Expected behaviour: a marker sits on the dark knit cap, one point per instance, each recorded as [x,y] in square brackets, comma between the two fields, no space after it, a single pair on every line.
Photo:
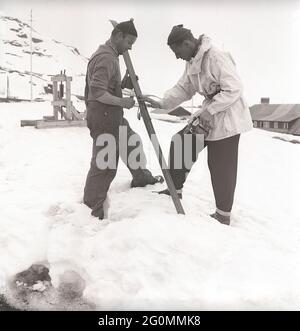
[178,34]
[127,27]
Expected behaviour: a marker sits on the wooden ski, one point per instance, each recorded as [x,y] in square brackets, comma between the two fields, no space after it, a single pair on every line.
[151,132]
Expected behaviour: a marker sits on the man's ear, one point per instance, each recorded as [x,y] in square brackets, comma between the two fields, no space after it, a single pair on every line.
[119,35]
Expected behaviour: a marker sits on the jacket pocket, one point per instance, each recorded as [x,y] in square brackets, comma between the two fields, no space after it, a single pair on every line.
[102,119]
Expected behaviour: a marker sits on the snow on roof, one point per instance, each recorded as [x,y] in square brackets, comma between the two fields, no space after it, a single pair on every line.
[275,112]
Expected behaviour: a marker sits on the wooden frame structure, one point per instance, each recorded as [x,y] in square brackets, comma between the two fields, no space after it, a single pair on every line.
[62,107]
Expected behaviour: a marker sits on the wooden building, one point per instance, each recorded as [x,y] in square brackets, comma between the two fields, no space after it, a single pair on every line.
[284,118]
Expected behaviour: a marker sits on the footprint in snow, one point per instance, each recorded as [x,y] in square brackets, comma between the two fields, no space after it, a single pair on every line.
[59,210]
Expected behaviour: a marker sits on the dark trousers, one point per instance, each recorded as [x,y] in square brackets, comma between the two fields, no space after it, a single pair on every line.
[222,164]
[104,119]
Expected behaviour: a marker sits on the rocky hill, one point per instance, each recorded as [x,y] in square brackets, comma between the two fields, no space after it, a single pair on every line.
[49,57]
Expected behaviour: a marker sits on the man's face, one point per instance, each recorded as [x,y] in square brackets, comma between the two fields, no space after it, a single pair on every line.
[125,43]
[183,51]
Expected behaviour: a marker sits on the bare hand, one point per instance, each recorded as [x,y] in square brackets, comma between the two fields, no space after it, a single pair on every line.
[194,116]
[205,119]
[153,103]
[127,103]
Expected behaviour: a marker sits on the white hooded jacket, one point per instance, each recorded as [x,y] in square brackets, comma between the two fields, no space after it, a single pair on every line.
[212,73]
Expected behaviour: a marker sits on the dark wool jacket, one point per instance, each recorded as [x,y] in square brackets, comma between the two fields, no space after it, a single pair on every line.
[103,73]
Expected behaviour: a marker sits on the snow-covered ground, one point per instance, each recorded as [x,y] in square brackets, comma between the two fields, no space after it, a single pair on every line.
[145,256]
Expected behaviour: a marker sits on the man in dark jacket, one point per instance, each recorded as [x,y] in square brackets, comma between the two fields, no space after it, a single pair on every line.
[105,103]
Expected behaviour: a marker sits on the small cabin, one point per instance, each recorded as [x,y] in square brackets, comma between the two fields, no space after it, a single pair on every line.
[284,118]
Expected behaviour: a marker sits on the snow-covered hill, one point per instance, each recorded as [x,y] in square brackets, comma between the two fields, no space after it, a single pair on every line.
[49,58]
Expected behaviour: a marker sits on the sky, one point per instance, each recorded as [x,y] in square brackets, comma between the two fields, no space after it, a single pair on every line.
[262,36]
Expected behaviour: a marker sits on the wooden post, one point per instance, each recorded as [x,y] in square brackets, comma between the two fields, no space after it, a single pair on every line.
[31,94]
[68,98]
[55,98]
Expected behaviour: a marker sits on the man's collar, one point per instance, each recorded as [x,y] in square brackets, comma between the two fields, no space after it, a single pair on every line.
[204,45]
[195,64]
[112,46]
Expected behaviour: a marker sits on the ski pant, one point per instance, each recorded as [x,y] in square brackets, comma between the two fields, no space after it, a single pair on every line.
[222,164]
[105,119]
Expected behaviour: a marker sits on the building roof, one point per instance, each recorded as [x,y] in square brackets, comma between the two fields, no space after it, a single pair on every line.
[275,112]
